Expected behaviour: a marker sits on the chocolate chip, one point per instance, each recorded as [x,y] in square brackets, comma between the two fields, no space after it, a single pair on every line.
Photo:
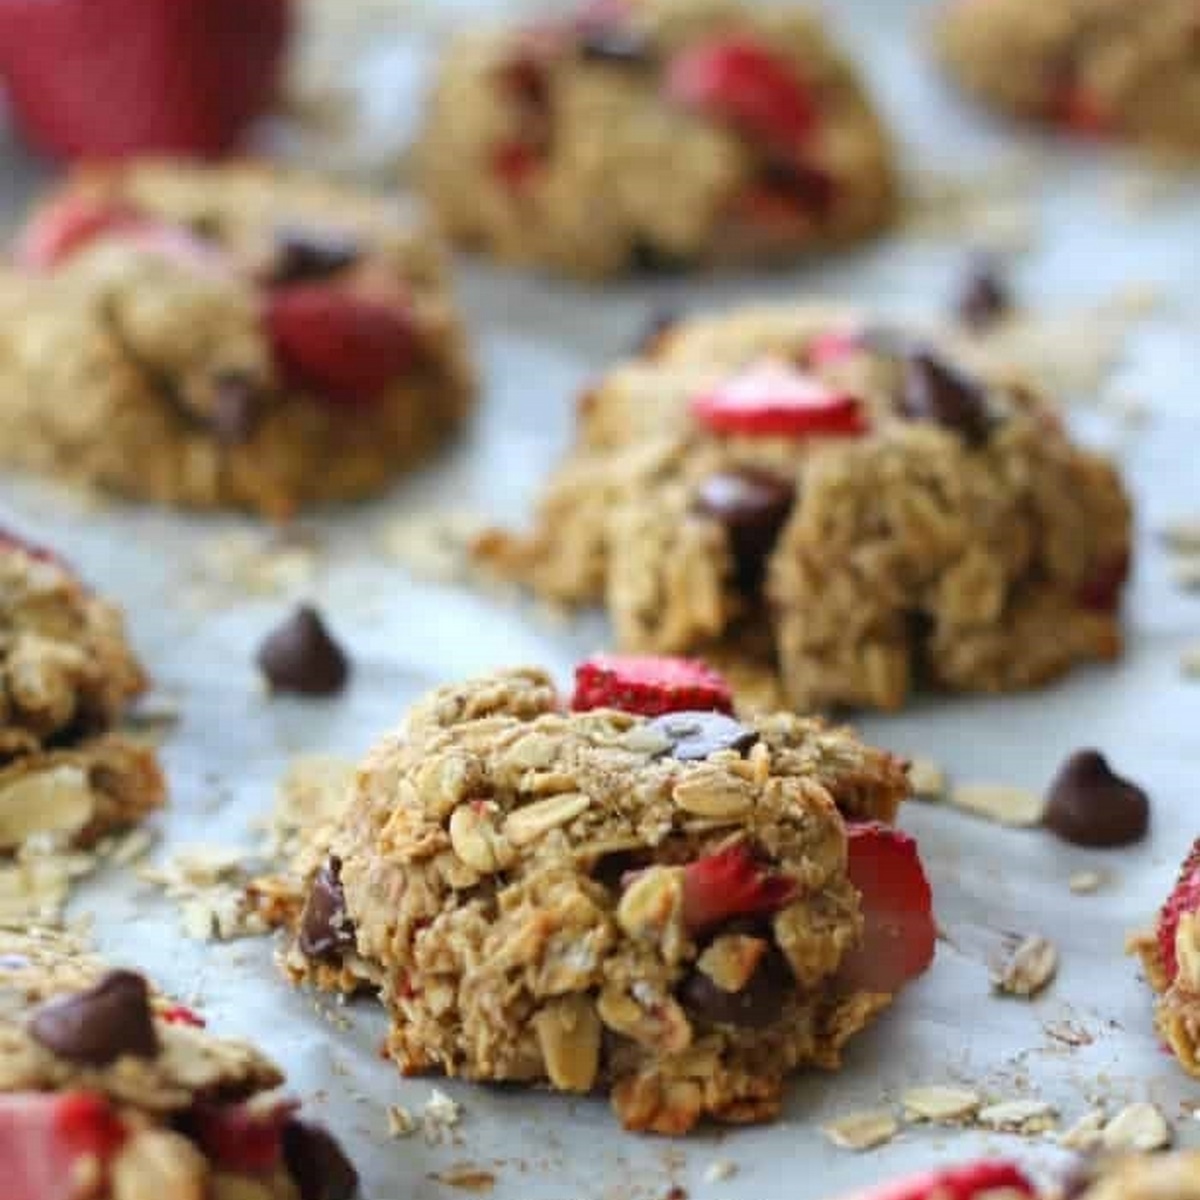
[983,296]
[615,44]
[807,188]
[300,656]
[696,735]
[236,410]
[302,253]
[101,1024]
[325,928]
[935,391]
[1089,805]
[317,1164]
[759,1003]
[647,257]
[753,507]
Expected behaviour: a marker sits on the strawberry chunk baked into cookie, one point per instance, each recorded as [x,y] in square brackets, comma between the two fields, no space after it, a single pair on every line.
[655,134]
[1102,68]
[666,908]
[808,502]
[225,337]
[67,675]
[108,1091]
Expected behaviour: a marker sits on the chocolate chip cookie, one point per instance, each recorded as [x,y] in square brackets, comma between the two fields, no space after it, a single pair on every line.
[666,909]
[110,1091]
[810,502]
[67,675]
[1097,67]
[655,135]
[225,337]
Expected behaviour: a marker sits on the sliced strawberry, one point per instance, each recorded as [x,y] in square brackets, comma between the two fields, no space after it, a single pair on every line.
[66,225]
[344,345]
[772,398]
[731,883]
[649,685]
[738,80]
[242,1137]
[1184,898]
[45,1136]
[954,1183]
[897,905]
[515,163]
[1079,110]
[177,1014]
[833,346]
[1101,591]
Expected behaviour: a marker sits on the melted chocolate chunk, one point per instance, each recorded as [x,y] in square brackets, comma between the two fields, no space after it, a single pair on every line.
[935,391]
[758,1004]
[325,928]
[101,1024]
[300,656]
[303,254]
[317,1164]
[696,735]
[1090,805]
[753,507]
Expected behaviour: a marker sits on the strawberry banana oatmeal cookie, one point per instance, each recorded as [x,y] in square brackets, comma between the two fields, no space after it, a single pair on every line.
[67,674]
[108,1091]
[225,337]
[616,896]
[802,499]
[1098,67]
[655,134]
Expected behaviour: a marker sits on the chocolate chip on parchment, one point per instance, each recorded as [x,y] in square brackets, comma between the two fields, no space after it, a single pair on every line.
[99,1025]
[935,391]
[301,656]
[1090,805]
[235,410]
[325,927]
[696,735]
[983,296]
[759,1003]
[317,1164]
[753,506]
[303,254]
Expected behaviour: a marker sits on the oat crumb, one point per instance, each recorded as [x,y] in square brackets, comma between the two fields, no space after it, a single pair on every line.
[861,1130]
[1084,883]
[719,1170]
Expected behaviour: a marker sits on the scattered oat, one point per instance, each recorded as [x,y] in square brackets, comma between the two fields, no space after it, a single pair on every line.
[940,1104]
[440,1113]
[312,792]
[719,1170]
[1182,534]
[466,1177]
[1190,662]
[1027,967]
[1084,883]
[927,778]
[433,545]
[241,561]
[1085,1133]
[1020,1116]
[400,1122]
[210,883]
[999,802]
[1185,572]
[1068,1033]
[1137,1128]
[862,1130]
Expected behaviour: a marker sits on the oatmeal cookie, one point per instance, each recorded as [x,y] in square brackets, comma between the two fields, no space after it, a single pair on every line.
[834,507]
[108,1091]
[1097,67]
[67,674]
[655,135]
[660,908]
[225,337]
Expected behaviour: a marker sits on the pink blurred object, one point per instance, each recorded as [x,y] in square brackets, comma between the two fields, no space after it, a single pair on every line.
[114,78]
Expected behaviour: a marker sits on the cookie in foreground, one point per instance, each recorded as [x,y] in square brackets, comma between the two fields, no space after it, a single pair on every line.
[675,908]
[839,513]
[225,337]
[655,135]
[109,1091]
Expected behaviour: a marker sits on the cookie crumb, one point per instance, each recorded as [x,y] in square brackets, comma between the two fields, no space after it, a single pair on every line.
[1189,662]
[999,802]
[1182,534]
[1027,968]
[719,1170]
[940,1104]
[1085,1133]
[862,1130]
[1020,1116]
[440,1112]
[927,778]
[1084,883]
[1137,1128]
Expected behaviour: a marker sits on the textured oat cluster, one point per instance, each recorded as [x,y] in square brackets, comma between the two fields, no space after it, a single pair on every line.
[957,539]
[516,881]
[140,363]
[151,1110]
[67,675]
[562,145]
[1103,67]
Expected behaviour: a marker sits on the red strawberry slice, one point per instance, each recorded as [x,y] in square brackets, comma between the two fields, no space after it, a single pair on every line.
[1080,111]
[954,1183]
[772,398]
[515,163]
[738,80]
[346,346]
[649,685]
[112,78]
[44,1138]
[731,883]
[66,225]
[242,1137]
[1184,898]
[897,905]
[178,1014]
[833,346]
